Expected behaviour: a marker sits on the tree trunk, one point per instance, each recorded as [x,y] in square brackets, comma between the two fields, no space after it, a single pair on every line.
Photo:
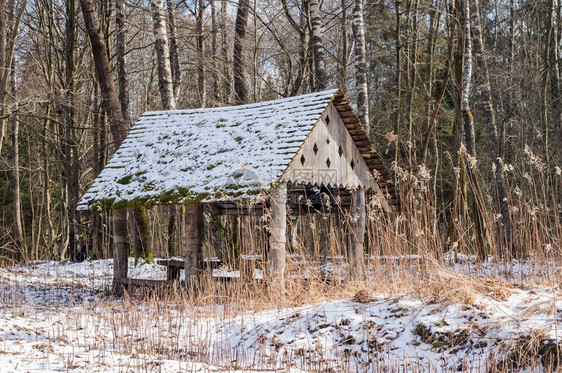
[551,78]
[470,198]
[7,46]
[490,118]
[431,120]
[412,73]
[167,95]
[121,61]
[227,76]
[342,83]
[165,80]
[300,28]
[361,65]
[201,86]
[110,101]
[70,147]
[240,86]
[318,46]
[214,31]
[118,127]
[3,67]
[138,219]
[398,77]
[468,120]
[174,50]
[18,230]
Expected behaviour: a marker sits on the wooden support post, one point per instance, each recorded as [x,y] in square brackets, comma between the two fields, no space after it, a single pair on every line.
[194,231]
[358,231]
[277,239]
[120,252]
[172,273]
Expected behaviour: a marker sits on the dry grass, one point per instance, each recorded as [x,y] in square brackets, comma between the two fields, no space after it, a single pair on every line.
[406,253]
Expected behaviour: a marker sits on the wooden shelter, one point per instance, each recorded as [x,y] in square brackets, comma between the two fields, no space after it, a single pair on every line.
[228,156]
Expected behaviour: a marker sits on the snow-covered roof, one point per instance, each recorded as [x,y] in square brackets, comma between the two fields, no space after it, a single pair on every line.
[210,155]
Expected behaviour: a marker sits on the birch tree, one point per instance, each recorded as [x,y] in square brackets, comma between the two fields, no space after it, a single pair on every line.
[318,46]
[174,49]
[490,119]
[138,219]
[7,46]
[361,65]
[165,84]
[18,229]
[468,119]
[165,80]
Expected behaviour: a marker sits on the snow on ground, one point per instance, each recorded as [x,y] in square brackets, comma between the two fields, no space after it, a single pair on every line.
[58,317]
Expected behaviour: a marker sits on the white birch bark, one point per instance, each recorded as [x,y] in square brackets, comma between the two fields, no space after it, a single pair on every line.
[361,65]
[490,118]
[468,122]
[165,81]
[318,46]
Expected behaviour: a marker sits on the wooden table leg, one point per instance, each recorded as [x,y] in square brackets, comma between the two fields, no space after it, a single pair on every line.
[173,273]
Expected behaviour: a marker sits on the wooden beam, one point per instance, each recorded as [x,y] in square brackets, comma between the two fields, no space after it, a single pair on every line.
[350,122]
[362,142]
[347,114]
[358,234]
[277,238]
[194,230]
[120,251]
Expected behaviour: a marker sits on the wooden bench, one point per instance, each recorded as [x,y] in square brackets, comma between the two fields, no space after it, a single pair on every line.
[175,265]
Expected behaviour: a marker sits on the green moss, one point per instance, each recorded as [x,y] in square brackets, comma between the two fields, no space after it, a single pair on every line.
[211,166]
[254,192]
[178,196]
[148,258]
[149,186]
[125,180]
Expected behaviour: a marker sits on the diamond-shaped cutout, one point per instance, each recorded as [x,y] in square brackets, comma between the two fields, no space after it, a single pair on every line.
[327,120]
[340,151]
[328,141]
[302,159]
[328,163]
[352,164]
[315,148]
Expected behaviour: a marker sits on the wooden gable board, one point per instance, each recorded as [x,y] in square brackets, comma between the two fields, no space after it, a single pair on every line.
[328,135]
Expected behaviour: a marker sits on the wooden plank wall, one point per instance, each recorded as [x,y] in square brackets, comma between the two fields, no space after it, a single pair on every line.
[331,140]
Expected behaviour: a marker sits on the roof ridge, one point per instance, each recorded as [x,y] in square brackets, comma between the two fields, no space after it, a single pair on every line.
[329,94]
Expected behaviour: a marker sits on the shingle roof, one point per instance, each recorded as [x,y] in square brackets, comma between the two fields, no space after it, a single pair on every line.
[194,155]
